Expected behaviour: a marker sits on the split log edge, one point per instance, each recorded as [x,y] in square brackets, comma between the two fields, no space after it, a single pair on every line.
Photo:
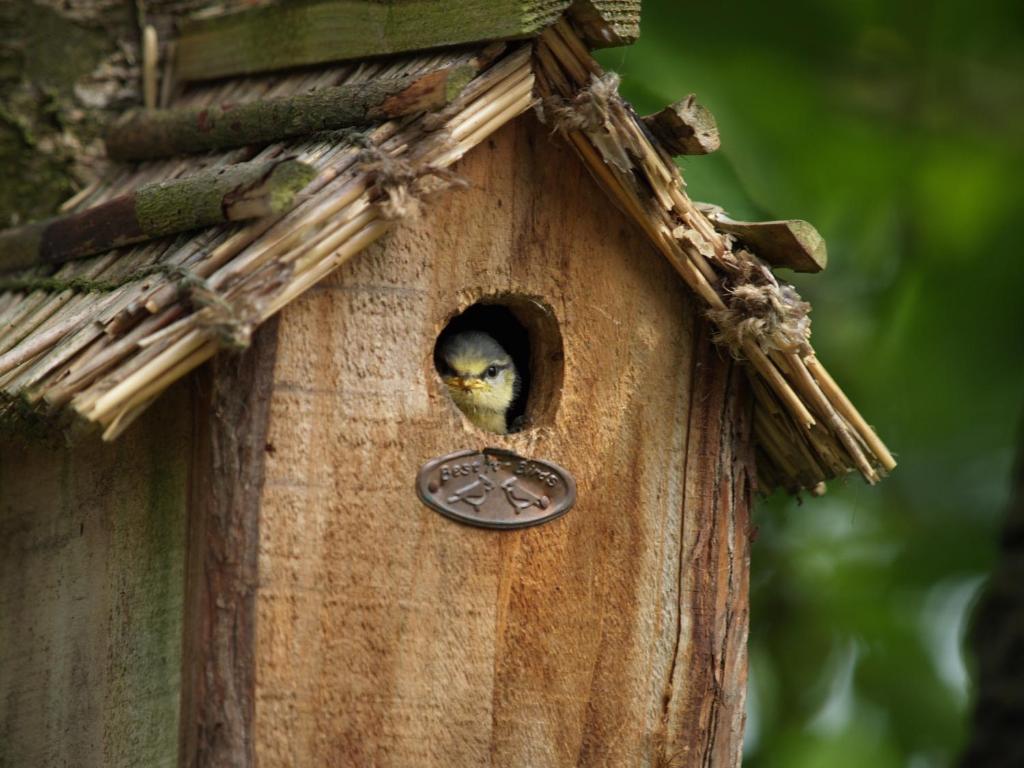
[211,197]
[793,244]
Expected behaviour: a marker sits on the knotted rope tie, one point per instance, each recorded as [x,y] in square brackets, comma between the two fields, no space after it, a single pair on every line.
[598,112]
[399,183]
[232,321]
[761,310]
[587,111]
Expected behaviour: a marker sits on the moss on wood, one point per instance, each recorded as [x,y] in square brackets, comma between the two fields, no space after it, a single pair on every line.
[210,197]
[149,134]
[337,30]
[94,544]
[23,420]
[47,134]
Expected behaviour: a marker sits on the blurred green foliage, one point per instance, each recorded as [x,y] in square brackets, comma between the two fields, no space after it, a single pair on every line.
[898,130]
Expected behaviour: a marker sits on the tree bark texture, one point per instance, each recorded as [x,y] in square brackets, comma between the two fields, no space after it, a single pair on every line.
[389,635]
[218,672]
[207,198]
[65,68]
[997,639]
[155,133]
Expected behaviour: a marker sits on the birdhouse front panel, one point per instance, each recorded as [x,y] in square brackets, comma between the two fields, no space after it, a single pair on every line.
[388,634]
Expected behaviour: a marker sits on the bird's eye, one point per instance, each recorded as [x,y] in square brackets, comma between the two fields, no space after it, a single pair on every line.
[491,372]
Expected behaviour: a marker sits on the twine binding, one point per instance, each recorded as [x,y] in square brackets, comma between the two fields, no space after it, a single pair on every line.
[761,310]
[401,184]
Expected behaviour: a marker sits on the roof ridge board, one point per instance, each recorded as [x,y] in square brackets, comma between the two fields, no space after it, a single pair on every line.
[607,23]
[246,42]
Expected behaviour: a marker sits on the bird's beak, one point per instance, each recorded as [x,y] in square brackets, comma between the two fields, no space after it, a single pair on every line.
[465,384]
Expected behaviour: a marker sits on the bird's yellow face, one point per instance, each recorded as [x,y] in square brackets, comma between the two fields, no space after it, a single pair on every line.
[481,379]
[481,383]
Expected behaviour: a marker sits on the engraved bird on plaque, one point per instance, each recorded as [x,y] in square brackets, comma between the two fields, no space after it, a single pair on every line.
[520,498]
[462,494]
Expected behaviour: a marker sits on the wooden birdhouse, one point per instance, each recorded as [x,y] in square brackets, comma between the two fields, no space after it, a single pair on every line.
[243,520]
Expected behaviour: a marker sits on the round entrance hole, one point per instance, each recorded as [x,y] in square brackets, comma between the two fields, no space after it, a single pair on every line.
[526,330]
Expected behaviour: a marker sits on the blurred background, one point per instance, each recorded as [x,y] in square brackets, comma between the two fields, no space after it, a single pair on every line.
[898,130]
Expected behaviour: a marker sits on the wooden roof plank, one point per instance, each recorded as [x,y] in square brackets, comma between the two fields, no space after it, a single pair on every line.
[318,31]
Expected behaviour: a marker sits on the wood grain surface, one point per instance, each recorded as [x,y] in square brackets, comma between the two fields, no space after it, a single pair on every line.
[218,671]
[92,550]
[387,635]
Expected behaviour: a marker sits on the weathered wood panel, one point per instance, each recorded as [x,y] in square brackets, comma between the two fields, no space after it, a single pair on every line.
[92,542]
[390,636]
[220,615]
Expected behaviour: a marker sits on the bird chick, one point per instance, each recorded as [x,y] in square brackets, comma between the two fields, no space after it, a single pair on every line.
[481,378]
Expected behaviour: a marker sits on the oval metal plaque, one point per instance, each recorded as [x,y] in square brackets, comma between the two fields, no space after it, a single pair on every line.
[495,488]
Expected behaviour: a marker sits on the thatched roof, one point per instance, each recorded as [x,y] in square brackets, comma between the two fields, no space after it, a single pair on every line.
[96,340]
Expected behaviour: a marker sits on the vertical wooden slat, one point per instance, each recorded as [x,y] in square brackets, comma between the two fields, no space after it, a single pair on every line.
[218,673]
[703,714]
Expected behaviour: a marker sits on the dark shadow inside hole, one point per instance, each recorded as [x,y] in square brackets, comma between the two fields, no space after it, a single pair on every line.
[502,325]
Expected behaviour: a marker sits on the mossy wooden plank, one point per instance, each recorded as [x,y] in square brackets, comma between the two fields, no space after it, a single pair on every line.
[92,543]
[607,23]
[314,31]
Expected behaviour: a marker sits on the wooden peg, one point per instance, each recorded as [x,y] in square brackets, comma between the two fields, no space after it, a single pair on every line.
[793,244]
[684,128]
